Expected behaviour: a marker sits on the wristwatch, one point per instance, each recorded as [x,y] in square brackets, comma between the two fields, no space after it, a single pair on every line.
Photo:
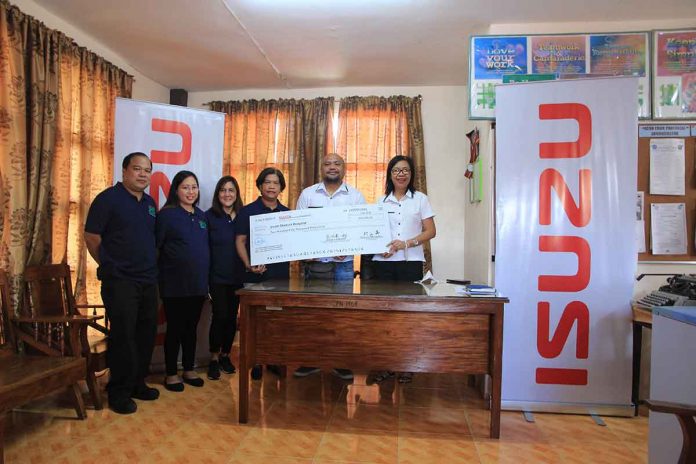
[415,242]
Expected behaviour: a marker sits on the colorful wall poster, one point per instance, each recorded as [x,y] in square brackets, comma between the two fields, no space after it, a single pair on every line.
[618,54]
[495,60]
[558,54]
[497,56]
[675,61]
[676,53]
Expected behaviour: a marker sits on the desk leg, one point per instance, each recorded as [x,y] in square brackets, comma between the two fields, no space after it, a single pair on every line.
[244,341]
[637,352]
[496,370]
[3,418]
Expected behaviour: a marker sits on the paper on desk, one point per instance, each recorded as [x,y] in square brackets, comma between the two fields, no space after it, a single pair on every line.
[428,279]
[668,228]
[667,166]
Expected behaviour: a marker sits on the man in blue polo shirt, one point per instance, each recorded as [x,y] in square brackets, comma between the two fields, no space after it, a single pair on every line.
[120,236]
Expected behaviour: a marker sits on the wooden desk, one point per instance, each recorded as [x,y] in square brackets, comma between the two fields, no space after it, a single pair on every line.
[373,325]
[642,318]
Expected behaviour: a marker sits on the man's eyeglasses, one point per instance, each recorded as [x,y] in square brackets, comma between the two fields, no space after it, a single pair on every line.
[397,171]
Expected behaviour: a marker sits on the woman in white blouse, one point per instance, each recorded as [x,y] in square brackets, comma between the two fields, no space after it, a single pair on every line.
[412,224]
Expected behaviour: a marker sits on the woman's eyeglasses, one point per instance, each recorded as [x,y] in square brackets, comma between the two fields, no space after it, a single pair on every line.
[397,171]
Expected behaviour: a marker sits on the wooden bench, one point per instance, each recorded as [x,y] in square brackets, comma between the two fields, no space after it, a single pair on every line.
[55,361]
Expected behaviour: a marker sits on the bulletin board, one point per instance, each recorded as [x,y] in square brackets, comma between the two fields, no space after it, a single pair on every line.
[689,189]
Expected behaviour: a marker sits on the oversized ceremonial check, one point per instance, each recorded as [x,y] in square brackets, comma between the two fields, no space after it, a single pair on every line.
[319,233]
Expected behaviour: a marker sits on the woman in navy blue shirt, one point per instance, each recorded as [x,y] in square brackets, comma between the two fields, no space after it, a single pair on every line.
[225,274]
[270,183]
[184,263]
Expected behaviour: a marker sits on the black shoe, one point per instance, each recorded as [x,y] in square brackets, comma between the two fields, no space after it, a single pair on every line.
[226,365]
[196,382]
[384,375]
[274,369]
[174,387]
[257,372]
[405,377]
[214,370]
[125,406]
[343,374]
[145,393]
[304,371]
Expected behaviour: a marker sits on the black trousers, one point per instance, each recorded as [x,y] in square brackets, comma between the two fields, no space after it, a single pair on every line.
[404,271]
[131,308]
[223,326]
[183,314]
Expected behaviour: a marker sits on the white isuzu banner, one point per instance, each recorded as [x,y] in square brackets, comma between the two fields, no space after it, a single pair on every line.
[176,138]
[565,249]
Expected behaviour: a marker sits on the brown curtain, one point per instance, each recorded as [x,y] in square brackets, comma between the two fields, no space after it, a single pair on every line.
[56,135]
[372,130]
[291,135]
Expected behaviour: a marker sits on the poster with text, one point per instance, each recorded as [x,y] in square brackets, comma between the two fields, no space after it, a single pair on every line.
[558,54]
[175,138]
[565,211]
[495,60]
[674,67]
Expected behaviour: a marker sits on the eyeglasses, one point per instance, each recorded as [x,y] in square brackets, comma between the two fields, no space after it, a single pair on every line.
[397,171]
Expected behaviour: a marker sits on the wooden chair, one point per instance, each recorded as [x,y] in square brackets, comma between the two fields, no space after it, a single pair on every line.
[49,292]
[685,414]
[57,363]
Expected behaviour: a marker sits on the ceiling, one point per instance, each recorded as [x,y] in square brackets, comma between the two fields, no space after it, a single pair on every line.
[233,44]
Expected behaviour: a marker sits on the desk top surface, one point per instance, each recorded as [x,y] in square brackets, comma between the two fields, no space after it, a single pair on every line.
[685,314]
[368,287]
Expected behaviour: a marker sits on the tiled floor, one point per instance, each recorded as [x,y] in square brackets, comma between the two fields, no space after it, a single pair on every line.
[436,419]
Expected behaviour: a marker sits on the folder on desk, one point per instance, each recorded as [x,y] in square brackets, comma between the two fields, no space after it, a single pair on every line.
[476,289]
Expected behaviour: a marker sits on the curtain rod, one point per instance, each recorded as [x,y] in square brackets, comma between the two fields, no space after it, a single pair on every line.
[419,97]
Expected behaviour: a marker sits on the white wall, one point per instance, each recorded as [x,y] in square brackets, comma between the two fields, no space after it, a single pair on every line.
[144,88]
[445,126]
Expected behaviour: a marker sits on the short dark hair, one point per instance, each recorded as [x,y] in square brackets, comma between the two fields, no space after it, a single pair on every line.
[217,206]
[172,198]
[267,172]
[389,188]
[129,157]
